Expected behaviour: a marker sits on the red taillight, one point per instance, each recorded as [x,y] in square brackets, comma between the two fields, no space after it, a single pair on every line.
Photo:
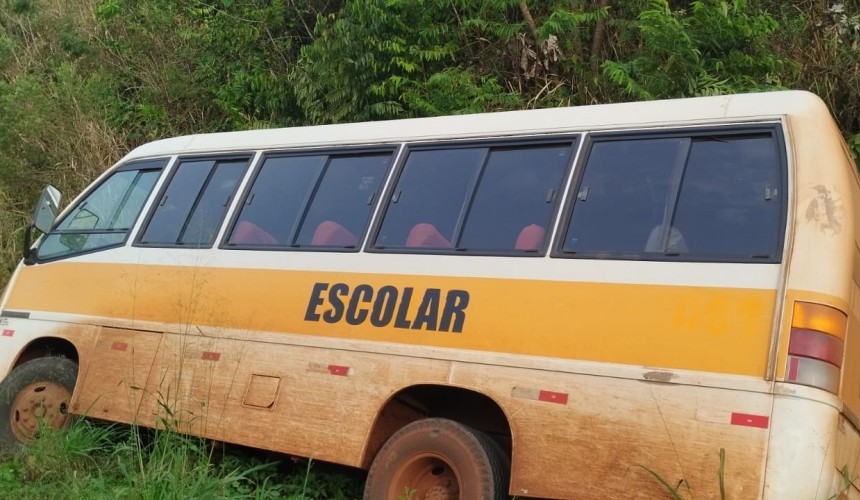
[815,348]
[816,345]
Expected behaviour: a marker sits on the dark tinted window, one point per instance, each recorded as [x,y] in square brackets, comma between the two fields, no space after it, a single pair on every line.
[497,199]
[213,203]
[622,196]
[272,209]
[730,198]
[311,201]
[106,215]
[698,197]
[431,192]
[190,210]
[341,206]
[514,199]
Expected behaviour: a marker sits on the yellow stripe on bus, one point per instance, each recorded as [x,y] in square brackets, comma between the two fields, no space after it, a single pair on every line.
[723,330]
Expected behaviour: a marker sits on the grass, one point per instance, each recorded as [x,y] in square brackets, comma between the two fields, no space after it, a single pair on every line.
[676,491]
[93,460]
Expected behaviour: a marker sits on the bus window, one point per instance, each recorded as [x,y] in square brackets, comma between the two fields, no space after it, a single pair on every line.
[481,199]
[190,210]
[699,198]
[729,201]
[513,202]
[104,217]
[272,207]
[341,206]
[622,196]
[310,201]
[428,198]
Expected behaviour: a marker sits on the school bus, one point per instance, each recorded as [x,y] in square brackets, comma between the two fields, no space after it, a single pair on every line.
[546,303]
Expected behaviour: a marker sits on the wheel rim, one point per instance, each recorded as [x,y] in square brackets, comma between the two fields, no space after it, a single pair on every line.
[46,402]
[427,476]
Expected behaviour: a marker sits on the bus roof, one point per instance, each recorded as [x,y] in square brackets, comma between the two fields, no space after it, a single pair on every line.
[647,114]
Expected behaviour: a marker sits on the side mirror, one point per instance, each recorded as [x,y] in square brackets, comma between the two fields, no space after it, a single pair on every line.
[43,217]
[47,209]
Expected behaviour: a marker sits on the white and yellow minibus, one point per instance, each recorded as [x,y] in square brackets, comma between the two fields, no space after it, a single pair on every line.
[558,303]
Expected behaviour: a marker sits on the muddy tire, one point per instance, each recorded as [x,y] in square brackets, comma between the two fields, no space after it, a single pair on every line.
[438,459]
[38,392]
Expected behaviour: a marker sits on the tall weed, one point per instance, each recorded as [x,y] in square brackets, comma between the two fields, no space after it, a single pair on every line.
[93,460]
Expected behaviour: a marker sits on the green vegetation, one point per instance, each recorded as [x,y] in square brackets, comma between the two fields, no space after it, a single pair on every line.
[94,461]
[677,492]
[83,81]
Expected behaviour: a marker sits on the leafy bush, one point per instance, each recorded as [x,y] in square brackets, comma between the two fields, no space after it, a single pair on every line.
[83,81]
[717,47]
[395,58]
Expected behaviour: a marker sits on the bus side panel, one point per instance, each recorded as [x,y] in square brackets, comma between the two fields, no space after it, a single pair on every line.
[847,459]
[698,328]
[822,259]
[115,377]
[317,403]
[849,444]
[850,386]
[598,435]
[807,444]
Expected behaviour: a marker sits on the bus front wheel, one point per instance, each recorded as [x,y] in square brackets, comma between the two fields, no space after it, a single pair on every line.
[438,459]
[35,394]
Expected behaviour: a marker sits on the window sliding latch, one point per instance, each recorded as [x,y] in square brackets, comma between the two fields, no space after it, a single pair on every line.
[583,194]
[770,192]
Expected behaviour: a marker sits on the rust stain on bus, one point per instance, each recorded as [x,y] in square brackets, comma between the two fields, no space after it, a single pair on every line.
[825,210]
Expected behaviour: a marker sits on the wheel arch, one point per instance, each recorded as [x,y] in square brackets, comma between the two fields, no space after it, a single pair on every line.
[47,346]
[461,404]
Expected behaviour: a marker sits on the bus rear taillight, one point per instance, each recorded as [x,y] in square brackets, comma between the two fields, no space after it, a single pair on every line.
[815,347]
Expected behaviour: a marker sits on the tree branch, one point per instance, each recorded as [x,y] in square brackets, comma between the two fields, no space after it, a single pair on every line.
[529,20]
[599,35]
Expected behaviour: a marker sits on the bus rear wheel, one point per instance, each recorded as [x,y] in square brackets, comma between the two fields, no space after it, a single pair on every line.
[35,394]
[438,459]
